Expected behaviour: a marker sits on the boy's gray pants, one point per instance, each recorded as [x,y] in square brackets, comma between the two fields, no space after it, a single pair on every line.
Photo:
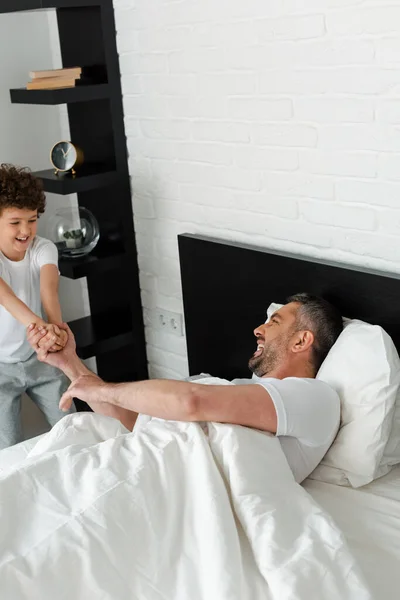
[42,383]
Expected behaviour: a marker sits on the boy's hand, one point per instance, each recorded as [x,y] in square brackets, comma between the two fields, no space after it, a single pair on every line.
[54,334]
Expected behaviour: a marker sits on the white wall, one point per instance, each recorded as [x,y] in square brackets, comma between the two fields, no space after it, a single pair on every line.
[29,41]
[272,122]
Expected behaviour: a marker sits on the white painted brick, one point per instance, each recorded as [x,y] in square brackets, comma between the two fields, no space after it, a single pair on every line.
[372,244]
[205,152]
[353,164]
[388,51]
[226,84]
[157,372]
[338,215]
[136,63]
[317,53]
[172,129]
[206,196]
[206,107]
[259,109]
[145,147]
[285,135]
[388,111]
[299,184]
[266,159]
[143,206]
[334,110]
[389,221]
[204,60]
[375,193]
[127,41]
[179,211]
[298,231]
[171,85]
[220,131]
[145,244]
[291,28]
[361,21]
[384,138]
[132,127]
[167,248]
[145,106]
[156,300]
[352,80]
[159,339]
[169,286]
[147,282]
[168,360]
[343,3]
[229,177]
[164,39]
[389,167]
[264,204]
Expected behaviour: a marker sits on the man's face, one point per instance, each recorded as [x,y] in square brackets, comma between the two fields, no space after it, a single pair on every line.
[273,340]
[17,230]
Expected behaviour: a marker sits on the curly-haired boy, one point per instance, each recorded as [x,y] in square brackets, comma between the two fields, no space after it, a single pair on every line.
[28,281]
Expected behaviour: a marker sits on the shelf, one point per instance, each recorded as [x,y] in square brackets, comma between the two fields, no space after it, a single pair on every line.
[89,178]
[98,261]
[102,333]
[80,93]
[7,6]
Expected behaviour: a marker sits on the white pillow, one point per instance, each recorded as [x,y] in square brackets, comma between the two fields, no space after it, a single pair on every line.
[364,368]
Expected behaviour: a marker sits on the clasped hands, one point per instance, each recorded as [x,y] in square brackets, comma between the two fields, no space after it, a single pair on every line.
[50,333]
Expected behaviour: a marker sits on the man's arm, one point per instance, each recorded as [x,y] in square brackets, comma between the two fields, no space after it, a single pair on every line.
[67,361]
[16,307]
[249,405]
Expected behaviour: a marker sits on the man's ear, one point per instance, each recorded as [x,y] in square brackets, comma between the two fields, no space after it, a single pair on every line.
[303,341]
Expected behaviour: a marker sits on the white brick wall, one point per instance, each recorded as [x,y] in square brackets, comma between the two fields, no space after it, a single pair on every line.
[272,122]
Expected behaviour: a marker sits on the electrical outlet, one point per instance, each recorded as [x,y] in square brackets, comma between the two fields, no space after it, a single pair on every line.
[167,321]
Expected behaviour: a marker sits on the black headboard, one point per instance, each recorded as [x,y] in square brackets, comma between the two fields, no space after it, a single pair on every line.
[227,288]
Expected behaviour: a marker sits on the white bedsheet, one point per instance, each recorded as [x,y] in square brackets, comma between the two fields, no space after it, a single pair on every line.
[166,513]
[370,518]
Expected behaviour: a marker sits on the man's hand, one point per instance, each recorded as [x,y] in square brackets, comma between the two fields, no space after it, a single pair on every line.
[89,388]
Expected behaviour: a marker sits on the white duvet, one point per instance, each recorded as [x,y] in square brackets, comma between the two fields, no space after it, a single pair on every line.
[172,511]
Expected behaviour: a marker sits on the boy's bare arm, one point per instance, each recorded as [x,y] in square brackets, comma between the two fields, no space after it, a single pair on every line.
[16,307]
[49,280]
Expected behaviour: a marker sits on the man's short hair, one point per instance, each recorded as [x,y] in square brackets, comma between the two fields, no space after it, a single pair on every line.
[323,319]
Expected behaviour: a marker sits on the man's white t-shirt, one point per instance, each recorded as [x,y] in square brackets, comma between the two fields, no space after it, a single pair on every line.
[24,279]
[308,413]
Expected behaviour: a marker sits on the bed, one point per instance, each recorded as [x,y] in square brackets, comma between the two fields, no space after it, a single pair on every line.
[228,297]
[226,289]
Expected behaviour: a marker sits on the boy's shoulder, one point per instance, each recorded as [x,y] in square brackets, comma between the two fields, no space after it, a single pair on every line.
[43,251]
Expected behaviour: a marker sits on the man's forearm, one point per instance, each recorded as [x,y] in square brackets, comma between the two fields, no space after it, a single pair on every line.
[165,399]
[73,367]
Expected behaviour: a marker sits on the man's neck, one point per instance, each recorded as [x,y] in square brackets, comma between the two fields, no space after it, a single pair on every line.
[283,371]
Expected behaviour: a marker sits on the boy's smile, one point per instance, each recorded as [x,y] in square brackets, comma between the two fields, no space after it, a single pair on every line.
[17,229]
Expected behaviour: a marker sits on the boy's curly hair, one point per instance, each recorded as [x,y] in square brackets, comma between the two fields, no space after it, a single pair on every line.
[19,188]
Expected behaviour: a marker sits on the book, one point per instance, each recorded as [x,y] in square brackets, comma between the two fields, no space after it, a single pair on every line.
[51,83]
[72,72]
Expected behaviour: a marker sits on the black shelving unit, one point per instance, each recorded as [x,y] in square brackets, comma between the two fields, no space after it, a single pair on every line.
[114,331]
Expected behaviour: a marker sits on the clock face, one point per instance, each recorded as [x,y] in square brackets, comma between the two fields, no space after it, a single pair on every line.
[63,156]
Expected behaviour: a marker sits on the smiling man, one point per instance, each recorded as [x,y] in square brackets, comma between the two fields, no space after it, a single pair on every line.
[283,397]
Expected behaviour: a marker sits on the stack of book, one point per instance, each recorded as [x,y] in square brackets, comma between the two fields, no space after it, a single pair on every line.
[54,79]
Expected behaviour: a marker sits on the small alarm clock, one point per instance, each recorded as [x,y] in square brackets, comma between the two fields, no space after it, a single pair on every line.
[65,156]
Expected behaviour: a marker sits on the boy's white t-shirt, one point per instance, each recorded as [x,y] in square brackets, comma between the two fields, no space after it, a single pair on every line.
[308,412]
[24,279]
